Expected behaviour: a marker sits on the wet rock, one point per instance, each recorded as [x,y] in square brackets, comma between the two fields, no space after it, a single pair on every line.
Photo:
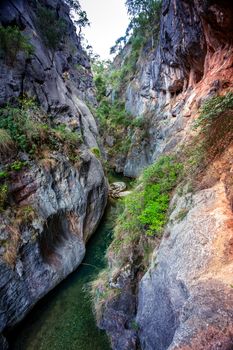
[116,188]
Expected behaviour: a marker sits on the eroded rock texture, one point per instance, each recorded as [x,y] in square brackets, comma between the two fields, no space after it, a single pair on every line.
[68,200]
[192,61]
[185,299]
[185,302]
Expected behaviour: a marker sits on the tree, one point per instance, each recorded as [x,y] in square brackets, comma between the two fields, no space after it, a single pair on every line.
[82,20]
[144,13]
[119,44]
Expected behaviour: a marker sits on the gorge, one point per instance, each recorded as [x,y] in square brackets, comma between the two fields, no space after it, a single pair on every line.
[161,113]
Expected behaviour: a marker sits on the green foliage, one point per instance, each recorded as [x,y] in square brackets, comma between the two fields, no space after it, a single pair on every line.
[111,115]
[145,14]
[96,151]
[16,121]
[158,180]
[52,28]
[215,131]
[145,209]
[144,24]
[6,143]
[101,88]
[68,136]
[17,165]
[80,19]
[29,134]
[214,108]
[134,325]
[4,174]
[3,196]
[120,77]
[11,42]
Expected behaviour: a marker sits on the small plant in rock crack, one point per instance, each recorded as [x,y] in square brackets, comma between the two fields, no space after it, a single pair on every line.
[25,214]
[96,151]
[13,41]
[17,165]
[134,325]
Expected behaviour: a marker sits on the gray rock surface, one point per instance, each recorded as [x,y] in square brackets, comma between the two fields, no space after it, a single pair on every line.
[69,204]
[185,299]
[68,200]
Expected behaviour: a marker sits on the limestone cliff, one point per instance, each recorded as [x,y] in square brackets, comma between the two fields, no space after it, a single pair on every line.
[56,192]
[185,300]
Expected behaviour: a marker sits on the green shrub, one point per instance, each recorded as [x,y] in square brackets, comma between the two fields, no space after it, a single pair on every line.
[101,88]
[11,42]
[66,135]
[134,325]
[30,135]
[215,132]
[52,28]
[4,174]
[17,122]
[6,143]
[146,207]
[214,108]
[96,151]
[17,165]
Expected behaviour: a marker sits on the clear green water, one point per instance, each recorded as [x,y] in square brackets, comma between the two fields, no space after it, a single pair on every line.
[63,320]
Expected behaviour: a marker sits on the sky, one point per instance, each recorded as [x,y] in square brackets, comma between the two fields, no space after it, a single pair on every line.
[109,21]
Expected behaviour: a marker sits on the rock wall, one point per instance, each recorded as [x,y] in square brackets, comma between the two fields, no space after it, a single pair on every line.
[68,199]
[175,79]
[185,299]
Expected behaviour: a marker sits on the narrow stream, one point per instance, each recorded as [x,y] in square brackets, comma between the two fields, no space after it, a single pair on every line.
[63,320]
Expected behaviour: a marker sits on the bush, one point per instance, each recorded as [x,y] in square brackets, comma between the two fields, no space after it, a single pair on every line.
[11,42]
[30,135]
[213,109]
[17,165]
[156,183]
[96,151]
[6,143]
[52,28]
[147,206]
[17,123]
[215,132]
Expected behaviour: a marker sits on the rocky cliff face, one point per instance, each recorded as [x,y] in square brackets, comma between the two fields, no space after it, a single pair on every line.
[165,85]
[185,298]
[185,303]
[63,199]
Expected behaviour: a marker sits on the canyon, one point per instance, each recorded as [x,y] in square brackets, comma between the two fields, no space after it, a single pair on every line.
[182,297]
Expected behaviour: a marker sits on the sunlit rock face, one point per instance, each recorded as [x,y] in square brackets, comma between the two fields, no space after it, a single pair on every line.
[185,302]
[191,63]
[68,199]
[185,299]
